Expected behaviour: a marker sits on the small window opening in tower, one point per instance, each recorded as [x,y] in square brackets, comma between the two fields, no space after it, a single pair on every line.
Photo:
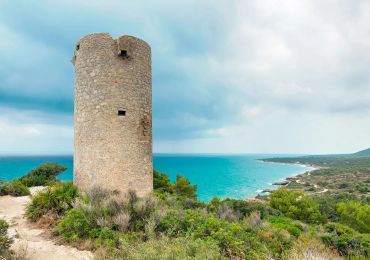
[77,47]
[121,112]
[123,53]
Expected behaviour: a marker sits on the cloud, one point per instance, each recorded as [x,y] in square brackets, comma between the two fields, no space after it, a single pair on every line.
[236,76]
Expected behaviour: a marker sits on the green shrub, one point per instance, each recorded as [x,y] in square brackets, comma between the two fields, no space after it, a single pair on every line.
[5,241]
[296,205]
[55,201]
[328,203]
[165,248]
[234,239]
[74,226]
[161,182]
[13,188]
[346,240]
[99,214]
[295,228]
[243,208]
[355,215]
[42,175]
[181,187]
[277,241]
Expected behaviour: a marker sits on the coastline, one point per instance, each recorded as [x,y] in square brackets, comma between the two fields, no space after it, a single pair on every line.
[308,168]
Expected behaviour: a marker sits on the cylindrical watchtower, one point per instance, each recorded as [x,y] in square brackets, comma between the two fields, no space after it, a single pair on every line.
[113,114]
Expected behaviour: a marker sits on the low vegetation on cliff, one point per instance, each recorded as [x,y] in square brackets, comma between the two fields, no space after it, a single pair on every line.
[45,174]
[173,224]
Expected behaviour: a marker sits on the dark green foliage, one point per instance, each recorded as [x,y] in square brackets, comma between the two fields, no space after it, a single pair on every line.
[14,188]
[328,203]
[74,226]
[161,182]
[233,238]
[42,175]
[294,227]
[296,205]
[355,214]
[347,241]
[55,201]
[183,187]
[5,241]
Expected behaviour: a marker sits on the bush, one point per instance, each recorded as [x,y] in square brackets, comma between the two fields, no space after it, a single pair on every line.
[234,239]
[13,188]
[296,205]
[295,228]
[5,241]
[165,248]
[243,208]
[100,212]
[328,203]
[183,187]
[161,182]
[355,215]
[74,226]
[43,175]
[54,201]
[346,240]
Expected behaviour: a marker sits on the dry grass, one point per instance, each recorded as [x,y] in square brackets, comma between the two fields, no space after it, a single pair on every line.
[308,249]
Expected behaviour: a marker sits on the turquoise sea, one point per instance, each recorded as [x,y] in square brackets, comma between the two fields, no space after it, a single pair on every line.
[234,176]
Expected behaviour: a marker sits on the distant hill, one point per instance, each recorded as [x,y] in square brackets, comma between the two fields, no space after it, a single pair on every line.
[365,152]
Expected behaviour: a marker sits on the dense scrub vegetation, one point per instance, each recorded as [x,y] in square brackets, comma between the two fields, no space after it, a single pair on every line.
[173,224]
[46,174]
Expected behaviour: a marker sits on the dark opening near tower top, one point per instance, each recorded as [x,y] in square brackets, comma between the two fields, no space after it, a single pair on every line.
[123,54]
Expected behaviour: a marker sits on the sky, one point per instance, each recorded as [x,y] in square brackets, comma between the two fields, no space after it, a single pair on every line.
[229,76]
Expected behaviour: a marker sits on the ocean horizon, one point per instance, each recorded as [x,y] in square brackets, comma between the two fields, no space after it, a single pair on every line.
[216,175]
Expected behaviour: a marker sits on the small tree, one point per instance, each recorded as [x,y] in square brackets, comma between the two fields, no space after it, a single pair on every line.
[161,182]
[43,175]
[183,187]
[355,214]
[296,205]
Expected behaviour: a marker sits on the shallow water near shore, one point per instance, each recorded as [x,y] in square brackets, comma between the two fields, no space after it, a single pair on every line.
[234,176]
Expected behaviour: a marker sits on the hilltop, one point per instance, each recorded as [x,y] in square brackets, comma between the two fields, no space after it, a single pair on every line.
[365,152]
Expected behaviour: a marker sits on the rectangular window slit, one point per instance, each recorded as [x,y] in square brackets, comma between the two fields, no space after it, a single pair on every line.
[123,54]
[121,112]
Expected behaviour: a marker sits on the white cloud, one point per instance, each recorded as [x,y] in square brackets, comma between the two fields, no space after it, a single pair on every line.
[229,76]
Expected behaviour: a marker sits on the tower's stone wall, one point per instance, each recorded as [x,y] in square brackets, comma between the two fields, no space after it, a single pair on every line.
[113,114]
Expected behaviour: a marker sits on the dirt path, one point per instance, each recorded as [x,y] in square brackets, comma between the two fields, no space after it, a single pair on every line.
[31,239]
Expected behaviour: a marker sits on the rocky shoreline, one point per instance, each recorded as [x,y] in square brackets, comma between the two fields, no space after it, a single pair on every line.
[289,180]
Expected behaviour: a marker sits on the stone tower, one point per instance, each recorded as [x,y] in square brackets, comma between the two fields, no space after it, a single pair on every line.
[113,114]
